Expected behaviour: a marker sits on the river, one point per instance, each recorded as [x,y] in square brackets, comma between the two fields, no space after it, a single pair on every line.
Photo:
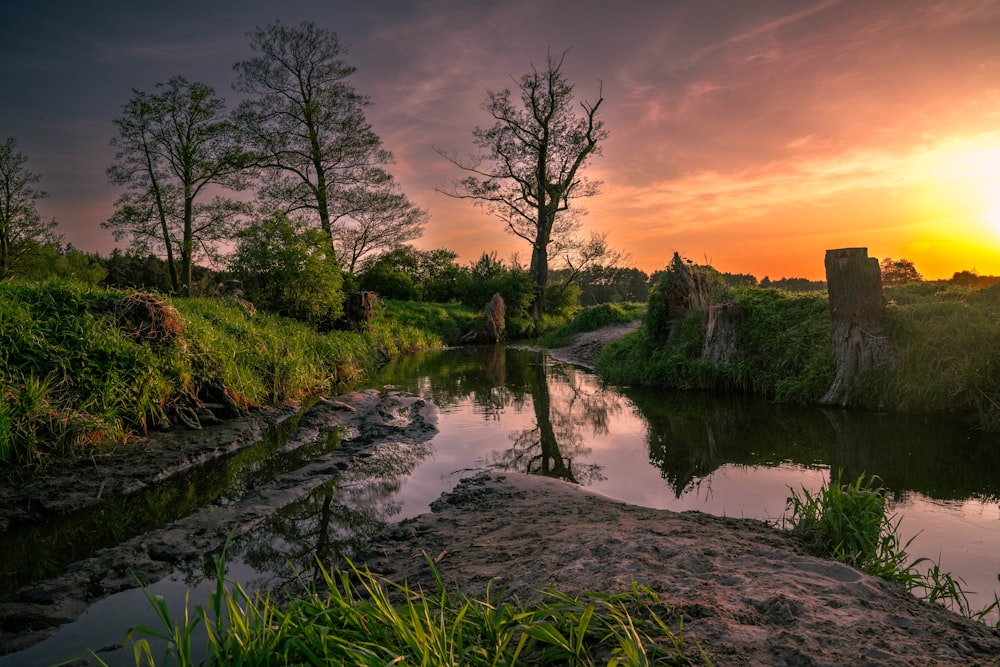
[515,409]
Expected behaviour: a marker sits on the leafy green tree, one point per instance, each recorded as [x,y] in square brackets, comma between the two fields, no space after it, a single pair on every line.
[21,226]
[287,267]
[50,260]
[410,274]
[529,168]
[176,146]
[319,155]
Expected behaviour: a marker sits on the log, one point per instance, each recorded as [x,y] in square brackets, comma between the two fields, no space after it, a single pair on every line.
[857,313]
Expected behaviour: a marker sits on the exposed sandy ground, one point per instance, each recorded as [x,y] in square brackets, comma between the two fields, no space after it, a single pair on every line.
[749,594]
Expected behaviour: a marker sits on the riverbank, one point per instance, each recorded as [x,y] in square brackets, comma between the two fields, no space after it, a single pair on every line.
[748,593]
[730,580]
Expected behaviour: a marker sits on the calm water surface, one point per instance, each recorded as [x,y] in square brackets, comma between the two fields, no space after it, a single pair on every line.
[505,408]
[518,410]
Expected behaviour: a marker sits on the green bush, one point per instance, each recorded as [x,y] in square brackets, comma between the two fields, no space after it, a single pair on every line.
[288,268]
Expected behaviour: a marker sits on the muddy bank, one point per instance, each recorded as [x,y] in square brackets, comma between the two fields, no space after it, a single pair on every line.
[362,421]
[749,594]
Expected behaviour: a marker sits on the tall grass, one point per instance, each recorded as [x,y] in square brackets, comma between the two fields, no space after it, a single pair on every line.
[850,522]
[947,340]
[948,344]
[73,376]
[357,618]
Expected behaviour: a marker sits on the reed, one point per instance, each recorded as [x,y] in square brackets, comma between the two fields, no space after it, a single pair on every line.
[850,522]
[355,617]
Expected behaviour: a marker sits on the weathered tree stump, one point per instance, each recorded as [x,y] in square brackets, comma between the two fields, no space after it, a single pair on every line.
[490,329]
[720,332]
[688,289]
[358,309]
[495,318]
[857,312]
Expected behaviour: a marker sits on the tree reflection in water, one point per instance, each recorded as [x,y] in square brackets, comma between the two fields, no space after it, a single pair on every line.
[333,520]
[555,446]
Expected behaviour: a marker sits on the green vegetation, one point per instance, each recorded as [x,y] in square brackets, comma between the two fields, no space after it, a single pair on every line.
[947,339]
[360,619]
[79,370]
[849,522]
[784,344]
[592,318]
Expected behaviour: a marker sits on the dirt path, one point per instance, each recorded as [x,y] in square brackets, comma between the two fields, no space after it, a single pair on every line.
[749,594]
[584,348]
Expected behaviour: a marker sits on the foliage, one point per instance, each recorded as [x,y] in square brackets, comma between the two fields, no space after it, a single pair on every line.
[355,617]
[289,269]
[21,226]
[134,270]
[947,340]
[48,261]
[528,170]
[174,147]
[609,284]
[446,321]
[74,377]
[783,341]
[593,318]
[785,346]
[69,379]
[899,272]
[793,284]
[850,522]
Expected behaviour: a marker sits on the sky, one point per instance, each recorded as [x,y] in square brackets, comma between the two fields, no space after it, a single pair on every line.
[749,134]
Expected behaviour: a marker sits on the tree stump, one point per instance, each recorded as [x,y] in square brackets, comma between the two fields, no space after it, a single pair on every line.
[720,332]
[857,313]
[495,318]
[358,309]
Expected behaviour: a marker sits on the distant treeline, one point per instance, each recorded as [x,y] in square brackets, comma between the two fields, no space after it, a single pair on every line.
[408,274]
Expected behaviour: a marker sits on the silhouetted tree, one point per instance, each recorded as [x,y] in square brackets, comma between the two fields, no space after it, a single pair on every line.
[21,226]
[529,168]
[175,147]
[899,272]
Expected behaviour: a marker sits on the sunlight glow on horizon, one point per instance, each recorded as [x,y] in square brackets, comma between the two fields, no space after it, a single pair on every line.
[936,204]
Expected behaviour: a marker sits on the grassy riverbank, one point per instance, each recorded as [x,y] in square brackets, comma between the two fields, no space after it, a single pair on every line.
[946,338]
[84,368]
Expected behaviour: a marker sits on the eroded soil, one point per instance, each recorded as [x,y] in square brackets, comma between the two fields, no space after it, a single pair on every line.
[749,594]
[367,418]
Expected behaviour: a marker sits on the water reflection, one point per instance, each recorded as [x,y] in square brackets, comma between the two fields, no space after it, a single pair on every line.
[726,455]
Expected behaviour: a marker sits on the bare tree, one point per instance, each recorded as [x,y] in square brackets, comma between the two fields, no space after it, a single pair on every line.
[174,146]
[21,226]
[382,220]
[529,168]
[307,126]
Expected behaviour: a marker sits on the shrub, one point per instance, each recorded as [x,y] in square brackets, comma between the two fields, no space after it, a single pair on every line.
[289,269]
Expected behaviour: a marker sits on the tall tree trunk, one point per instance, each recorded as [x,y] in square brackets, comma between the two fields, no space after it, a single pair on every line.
[857,313]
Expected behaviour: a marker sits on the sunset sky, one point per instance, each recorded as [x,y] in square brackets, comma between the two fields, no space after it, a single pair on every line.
[750,134]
